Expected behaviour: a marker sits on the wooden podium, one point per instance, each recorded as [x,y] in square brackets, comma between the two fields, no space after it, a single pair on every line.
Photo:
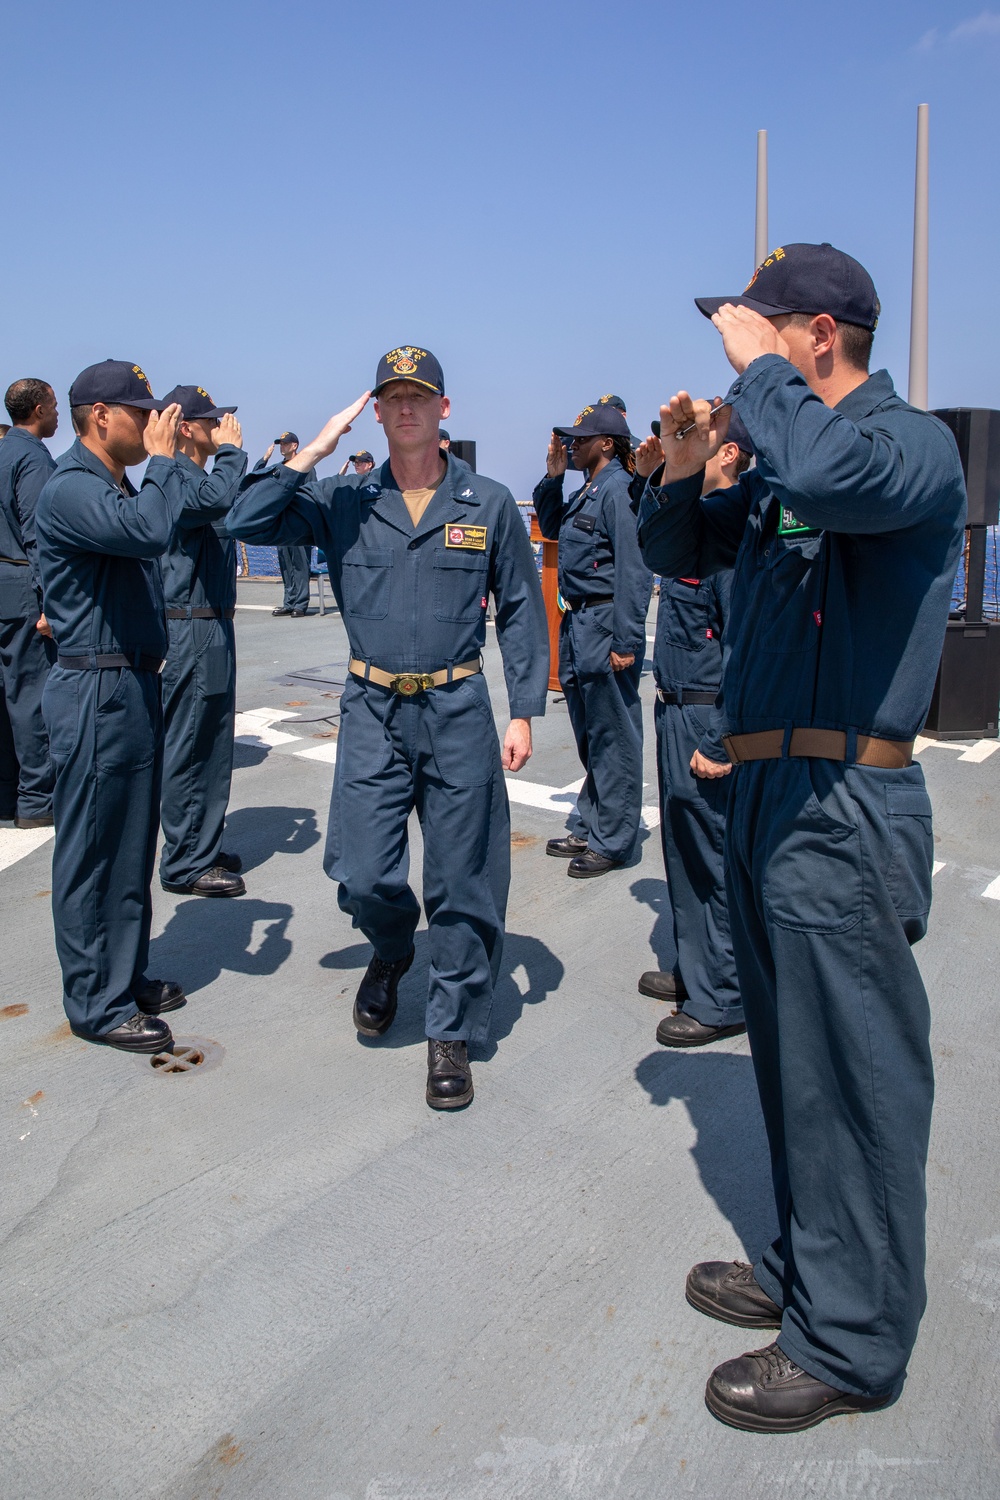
[550,593]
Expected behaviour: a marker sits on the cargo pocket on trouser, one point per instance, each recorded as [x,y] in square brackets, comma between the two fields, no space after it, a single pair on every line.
[364,748]
[911,863]
[812,878]
[463,733]
[125,729]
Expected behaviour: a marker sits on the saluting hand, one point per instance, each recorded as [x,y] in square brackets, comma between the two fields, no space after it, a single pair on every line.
[557,459]
[160,436]
[268,453]
[648,456]
[228,431]
[746,336]
[325,441]
[689,454]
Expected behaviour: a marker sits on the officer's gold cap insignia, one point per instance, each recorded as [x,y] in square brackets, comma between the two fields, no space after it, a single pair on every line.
[585,413]
[137,371]
[405,361]
[774,256]
[605,399]
[202,392]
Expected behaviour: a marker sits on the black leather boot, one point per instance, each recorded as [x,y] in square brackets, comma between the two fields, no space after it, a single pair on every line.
[154,996]
[728,1290]
[230,862]
[589,864]
[218,881]
[138,1034]
[375,1005]
[765,1391]
[449,1077]
[681,1030]
[566,848]
[662,985]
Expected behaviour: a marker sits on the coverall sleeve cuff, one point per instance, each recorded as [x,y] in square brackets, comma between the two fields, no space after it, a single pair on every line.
[711,749]
[656,495]
[528,708]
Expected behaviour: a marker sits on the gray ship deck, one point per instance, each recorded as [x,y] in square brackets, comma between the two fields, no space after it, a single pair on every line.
[281,1276]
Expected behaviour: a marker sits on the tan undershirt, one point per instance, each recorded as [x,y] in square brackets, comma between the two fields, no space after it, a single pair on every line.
[417,501]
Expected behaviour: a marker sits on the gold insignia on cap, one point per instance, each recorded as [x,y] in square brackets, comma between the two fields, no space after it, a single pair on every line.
[605,399]
[137,371]
[405,361]
[203,392]
[585,413]
[774,256]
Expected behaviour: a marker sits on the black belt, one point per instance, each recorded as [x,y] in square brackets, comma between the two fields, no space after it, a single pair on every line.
[686,697]
[139,662]
[201,614]
[575,605]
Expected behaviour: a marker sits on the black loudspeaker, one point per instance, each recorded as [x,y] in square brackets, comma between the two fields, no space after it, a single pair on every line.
[465,449]
[967,691]
[977,433]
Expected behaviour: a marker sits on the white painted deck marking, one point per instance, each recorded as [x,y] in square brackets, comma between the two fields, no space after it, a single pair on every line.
[939,864]
[992,891]
[254,728]
[326,753]
[268,607]
[981,750]
[15,843]
[976,751]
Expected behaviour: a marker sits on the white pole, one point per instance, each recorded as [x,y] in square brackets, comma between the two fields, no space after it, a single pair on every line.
[920,298]
[760,230]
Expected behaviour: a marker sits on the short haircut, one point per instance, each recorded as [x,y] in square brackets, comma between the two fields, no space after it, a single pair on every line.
[4,429]
[80,416]
[743,462]
[23,396]
[855,341]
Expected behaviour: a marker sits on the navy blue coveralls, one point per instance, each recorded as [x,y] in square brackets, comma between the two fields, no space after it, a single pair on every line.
[98,546]
[25,655]
[295,562]
[414,599]
[606,587]
[846,541]
[199,677]
[691,620]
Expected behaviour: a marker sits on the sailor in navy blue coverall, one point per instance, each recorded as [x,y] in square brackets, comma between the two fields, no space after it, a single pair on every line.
[414,549]
[693,772]
[294,562]
[199,677]
[26,652]
[99,542]
[845,541]
[605,589]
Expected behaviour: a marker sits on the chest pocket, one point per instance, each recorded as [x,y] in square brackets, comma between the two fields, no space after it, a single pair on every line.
[365,579]
[792,599]
[460,581]
[685,611]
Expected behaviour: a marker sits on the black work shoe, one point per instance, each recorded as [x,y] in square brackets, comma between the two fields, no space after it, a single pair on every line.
[154,996]
[138,1034]
[218,881]
[660,985]
[297,614]
[729,1291]
[565,848]
[765,1391]
[45,821]
[230,862]
[282,609]
[681,1030]
[585,866]
[449,1077]
[375,1005]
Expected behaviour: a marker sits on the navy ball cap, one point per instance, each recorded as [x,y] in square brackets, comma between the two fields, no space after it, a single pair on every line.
[807,279]
[116,382]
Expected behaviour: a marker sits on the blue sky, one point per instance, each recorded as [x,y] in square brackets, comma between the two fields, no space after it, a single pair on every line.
[262,199]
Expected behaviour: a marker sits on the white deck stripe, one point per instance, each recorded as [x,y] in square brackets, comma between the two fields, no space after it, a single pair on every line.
[15,843]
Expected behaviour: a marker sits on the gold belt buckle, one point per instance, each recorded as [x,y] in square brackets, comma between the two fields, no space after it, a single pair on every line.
[407,684]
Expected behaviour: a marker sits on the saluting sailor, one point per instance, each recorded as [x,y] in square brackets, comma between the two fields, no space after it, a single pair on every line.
[414,550]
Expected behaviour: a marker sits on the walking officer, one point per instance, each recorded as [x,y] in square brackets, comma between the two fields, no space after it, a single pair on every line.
[415,549]
[26,650]
[294,562]
[99,541]
[605,589]
[199,676]
[845,541]
[693,773]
